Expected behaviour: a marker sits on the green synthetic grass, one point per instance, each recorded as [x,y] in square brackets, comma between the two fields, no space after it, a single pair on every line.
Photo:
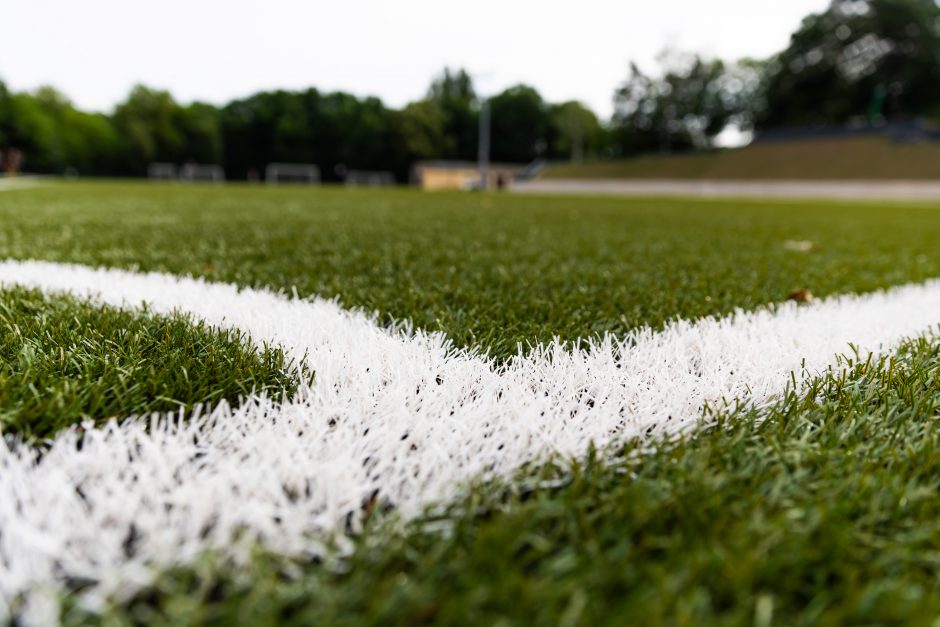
[490,271]
[63,361]
[822,510]
[853,159]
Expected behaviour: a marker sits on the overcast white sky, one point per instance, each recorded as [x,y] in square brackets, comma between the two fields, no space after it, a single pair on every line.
[215,50]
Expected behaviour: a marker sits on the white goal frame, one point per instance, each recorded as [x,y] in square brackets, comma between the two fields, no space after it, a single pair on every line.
[303,173]
[202,172]
[369,178]
[161,172]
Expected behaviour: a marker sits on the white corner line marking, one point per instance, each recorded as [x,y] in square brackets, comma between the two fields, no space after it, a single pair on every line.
[9,184]
[405,417]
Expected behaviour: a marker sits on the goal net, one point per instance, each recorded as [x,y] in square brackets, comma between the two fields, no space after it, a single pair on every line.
[369,178]
[161,172]
[277,173]
[200,172]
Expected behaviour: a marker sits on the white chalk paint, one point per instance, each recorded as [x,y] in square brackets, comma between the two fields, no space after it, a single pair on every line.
[404,416]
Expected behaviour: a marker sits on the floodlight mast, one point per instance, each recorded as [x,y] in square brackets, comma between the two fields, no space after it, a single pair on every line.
[483,153]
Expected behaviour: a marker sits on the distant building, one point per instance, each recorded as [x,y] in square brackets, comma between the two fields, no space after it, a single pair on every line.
[436,175]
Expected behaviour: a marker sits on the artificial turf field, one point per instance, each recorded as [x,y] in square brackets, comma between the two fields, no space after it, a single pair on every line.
[821,509]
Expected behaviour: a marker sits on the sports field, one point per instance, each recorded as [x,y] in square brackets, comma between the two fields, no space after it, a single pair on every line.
[466,408]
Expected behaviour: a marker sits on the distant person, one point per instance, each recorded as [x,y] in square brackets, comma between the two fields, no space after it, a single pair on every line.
[500,182]
[12,161]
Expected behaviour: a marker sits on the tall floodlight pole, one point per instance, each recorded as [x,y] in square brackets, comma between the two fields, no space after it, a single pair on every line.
[483,154]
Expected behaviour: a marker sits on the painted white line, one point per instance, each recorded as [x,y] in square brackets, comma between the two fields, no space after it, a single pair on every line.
[10,183]
[406,417]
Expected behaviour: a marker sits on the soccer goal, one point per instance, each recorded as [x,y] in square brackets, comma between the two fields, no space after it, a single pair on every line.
[201,172]
[277,173]
[369,178]
[161,172]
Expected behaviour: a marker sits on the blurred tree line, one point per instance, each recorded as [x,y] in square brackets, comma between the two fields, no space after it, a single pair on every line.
[860,62]
[336,131]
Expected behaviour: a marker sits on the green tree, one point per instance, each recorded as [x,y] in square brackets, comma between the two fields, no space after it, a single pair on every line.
[860,60]
[249,128]
[5,121]
[202,131]
[520,124]
[156,128]
[148,122]
[80,141]
[422,133]
[32,130]
[334,131]
[453,93]
[684,107]
[576,132]
[53,135]
[355,133]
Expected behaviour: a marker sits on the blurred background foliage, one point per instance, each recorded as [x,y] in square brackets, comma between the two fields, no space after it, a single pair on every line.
[860,63]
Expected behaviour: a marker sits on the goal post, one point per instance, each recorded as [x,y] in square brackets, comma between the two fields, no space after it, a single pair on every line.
[161,172]
[369,178]
[202,172]
[304,173]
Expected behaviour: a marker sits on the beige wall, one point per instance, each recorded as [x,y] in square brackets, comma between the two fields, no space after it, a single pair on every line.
[458,178]
[445,178]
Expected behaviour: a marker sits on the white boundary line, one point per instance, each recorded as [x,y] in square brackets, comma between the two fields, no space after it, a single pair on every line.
[11,183]
[405,416]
